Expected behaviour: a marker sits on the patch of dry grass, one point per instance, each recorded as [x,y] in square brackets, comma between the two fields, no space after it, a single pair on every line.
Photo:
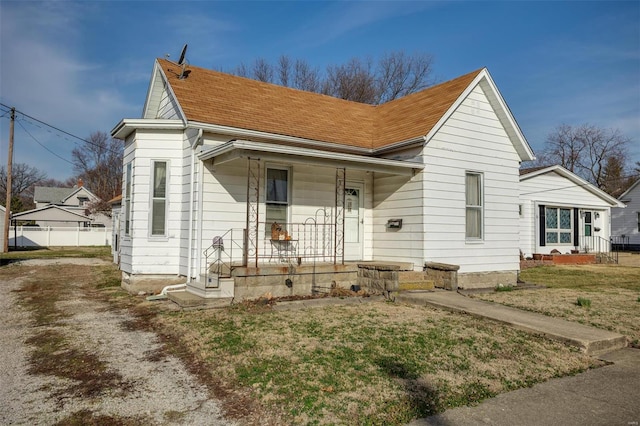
[613,290]
[378,363]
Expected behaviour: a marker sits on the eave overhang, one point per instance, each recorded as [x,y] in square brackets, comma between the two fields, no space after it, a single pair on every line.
[236,149]
[128,125]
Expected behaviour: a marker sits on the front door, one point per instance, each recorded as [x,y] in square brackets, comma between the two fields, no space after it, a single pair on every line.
[353,221]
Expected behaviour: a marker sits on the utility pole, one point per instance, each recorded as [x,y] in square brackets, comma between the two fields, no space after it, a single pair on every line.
[7,212]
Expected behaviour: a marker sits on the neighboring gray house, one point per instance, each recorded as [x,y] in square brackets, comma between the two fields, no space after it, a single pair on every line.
[76,200]
[625,222]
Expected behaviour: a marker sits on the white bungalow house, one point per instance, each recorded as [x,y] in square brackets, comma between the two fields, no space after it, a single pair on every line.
[561,211]
[227,176]
[625,223]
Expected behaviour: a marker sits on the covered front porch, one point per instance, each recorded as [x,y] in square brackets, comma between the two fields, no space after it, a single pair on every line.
[284,220]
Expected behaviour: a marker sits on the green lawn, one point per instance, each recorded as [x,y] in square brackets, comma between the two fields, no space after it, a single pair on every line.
[603,296]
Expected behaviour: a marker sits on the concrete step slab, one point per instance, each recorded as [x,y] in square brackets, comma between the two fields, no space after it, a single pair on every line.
[188,300]
[590,340]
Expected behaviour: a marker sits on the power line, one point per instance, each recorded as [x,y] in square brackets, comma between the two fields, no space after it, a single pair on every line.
[38,142]
[60,130]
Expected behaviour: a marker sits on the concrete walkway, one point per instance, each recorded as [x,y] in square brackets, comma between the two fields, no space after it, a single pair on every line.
[604,396]
[590,340]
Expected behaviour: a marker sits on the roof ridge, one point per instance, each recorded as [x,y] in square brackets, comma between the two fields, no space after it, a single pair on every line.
[216,97]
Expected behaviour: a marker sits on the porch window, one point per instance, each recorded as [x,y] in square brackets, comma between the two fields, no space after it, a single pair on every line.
[558,225]
[277,196]
[474,201]
[159,198]
[127,200]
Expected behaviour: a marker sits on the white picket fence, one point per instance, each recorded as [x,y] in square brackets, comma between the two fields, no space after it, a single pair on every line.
[48,236]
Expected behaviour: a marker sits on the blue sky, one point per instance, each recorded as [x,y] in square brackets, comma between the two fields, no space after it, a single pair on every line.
[83,66]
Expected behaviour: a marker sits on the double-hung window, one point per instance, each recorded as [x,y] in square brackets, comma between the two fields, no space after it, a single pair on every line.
[474,201]
[159,198]
[277,196]
[127,200]
[638,221]
[558,225]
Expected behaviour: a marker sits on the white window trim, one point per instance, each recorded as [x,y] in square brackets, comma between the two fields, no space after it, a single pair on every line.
[128,187]
[559,230]
[289,191]
[474,240]
[163,236]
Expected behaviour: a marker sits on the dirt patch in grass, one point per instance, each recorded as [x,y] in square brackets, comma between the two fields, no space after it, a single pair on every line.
[613,292]
[85,362]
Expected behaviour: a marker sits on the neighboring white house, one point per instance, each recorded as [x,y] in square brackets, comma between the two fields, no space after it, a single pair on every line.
[625,223]
[227,163]
[76,199]
[560,210]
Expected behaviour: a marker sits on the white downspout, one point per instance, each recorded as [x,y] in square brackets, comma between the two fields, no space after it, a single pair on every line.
[191,188]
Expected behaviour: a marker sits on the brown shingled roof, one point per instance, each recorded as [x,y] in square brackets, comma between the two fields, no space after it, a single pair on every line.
[213,97]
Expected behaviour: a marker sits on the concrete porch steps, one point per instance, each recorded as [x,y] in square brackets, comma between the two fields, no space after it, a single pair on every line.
[590,340]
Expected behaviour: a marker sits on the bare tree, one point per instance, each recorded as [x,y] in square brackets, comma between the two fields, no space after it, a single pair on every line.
[596,154]
[353,81]
[284,70]
[99,164]
[396,74]
[23,180]
[262,70]
[306,78]
[400,74]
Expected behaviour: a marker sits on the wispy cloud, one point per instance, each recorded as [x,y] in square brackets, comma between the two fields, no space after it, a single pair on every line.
[43,76]
[341,18]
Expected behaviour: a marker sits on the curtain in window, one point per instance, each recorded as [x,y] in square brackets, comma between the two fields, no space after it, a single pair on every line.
[473,190]
[473,195]
[277,190]
[159,179]
[158,207]
[473,223]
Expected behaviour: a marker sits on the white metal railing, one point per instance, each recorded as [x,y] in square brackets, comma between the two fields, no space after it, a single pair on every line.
[47,236]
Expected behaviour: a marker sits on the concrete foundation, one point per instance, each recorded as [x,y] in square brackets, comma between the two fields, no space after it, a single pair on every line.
[487,279]
[149,283]
[285,280]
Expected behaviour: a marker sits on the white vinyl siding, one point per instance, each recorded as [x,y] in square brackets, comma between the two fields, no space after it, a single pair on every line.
[143,253]
[159,199]
[474,139]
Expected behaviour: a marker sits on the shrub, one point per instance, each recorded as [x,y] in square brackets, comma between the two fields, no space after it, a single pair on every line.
[584,302]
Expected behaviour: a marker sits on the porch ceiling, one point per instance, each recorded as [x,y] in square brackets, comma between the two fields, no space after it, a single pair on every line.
[235,149]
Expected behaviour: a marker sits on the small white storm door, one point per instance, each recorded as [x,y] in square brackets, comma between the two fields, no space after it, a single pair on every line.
[353,221]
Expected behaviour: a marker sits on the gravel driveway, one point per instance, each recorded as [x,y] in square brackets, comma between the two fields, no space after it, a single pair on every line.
[135,381]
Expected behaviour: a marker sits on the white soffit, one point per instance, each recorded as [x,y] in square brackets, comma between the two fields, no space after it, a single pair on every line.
[240,148]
